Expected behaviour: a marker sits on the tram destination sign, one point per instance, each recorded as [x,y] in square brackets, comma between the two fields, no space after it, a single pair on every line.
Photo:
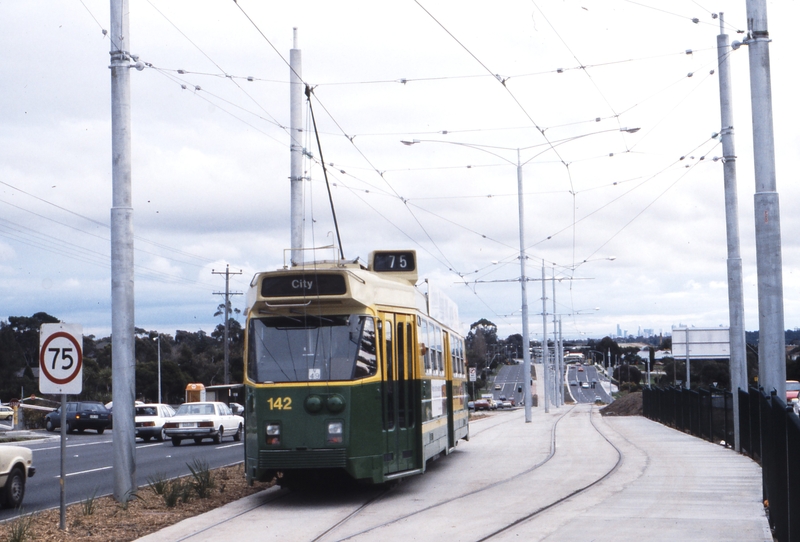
[303,285]
[61,359]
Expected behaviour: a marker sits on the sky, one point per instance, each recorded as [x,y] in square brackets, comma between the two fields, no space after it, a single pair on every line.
[630,224]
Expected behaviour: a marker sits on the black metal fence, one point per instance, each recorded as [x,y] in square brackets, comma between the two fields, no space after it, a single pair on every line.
[707,414]
[769,432]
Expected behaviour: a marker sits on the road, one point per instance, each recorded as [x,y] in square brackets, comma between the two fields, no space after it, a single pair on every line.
[510,379]
[89,464]
[583,392]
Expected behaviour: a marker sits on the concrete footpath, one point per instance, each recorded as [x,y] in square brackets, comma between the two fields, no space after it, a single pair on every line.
[502,485]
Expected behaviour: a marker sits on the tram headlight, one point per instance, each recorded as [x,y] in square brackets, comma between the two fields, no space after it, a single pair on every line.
[335,432]
[273,434]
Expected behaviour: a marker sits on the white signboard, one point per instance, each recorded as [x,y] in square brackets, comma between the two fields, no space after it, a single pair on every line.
[704,342]
[473,374]
[61,359]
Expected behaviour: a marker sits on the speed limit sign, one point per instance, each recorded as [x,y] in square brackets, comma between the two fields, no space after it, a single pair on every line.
[61,359]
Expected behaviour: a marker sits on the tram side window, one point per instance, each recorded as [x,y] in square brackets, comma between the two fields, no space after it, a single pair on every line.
[425,344]
[437,333]
[310,348]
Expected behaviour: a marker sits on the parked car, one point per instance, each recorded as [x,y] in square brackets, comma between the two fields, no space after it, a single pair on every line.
[16,464]
[6,412]
[150,419]
[481,404]
[201,420]
[471,405]
[81,415]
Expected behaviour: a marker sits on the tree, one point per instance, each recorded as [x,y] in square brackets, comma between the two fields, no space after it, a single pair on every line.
[628,373]
[482,335]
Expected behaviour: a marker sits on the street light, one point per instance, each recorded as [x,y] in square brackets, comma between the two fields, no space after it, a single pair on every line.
[158,338]
[522,255]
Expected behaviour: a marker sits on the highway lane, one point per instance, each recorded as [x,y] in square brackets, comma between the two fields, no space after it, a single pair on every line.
[89,466]
[582,391]
[510,379]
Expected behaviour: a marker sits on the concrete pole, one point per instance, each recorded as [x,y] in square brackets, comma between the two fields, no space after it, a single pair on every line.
[526,342]
[560,364]
[557,377]
[771,332]
[296,92]
[545,352]
[122,302]
[738,346]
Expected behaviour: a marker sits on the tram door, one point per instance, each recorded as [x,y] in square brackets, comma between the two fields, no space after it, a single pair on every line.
[398,401]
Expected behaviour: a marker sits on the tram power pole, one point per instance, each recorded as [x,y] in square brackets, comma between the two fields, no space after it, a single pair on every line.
[227,293]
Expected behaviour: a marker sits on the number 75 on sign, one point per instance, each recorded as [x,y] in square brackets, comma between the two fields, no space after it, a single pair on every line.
[61,359]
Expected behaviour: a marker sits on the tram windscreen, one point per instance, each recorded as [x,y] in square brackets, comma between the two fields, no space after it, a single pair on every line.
[308,348]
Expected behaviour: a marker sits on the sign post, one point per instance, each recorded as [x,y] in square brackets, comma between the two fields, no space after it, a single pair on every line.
[61,372]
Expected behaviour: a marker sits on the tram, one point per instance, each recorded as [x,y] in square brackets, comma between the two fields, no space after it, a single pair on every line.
[353,369]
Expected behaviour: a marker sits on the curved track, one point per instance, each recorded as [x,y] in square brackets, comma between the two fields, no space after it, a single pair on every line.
[509,475]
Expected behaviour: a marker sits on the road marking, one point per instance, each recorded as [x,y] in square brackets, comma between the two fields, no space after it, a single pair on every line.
[71,445]
[85,471]
[151,445]
[228,446]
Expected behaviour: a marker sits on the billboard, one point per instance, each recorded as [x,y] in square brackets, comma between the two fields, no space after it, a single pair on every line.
[704,342]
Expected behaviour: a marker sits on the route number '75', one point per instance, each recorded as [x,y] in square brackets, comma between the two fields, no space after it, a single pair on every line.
[65,355]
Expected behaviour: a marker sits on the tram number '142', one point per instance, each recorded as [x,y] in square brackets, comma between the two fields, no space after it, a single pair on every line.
[66,354]
[280,403]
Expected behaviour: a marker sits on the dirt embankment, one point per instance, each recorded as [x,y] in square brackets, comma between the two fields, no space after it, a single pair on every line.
[626,405]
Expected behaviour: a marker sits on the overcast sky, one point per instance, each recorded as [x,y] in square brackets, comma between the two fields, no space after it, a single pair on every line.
[472,81]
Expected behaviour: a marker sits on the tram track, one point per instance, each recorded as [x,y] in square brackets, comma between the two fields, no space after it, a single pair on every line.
[462,496]
[337,514]
[542,509]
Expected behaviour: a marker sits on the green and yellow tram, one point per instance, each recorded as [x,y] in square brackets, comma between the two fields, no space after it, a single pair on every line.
[353,369]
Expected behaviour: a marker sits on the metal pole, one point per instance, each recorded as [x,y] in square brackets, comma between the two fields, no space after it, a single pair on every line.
[545,352]
[62,523]
[296,150]
[771,343]
[738,363]
[160,399]
[688,373]
[526,343]
[122,301]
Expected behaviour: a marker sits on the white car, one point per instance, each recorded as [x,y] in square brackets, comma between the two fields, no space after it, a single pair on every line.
[6,412]
[16,464]
[201,420]
[150,419]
